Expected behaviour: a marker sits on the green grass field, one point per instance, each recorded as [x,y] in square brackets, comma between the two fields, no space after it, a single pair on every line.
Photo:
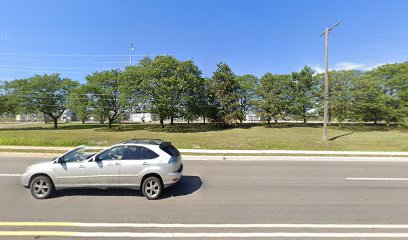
[209,136]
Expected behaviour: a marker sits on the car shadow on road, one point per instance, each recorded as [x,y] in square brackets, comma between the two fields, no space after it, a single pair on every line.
[186,186]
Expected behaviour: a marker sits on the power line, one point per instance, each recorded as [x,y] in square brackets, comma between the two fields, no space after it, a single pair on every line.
[52,60]
[86,55]
[37,71]
[40,67]
[52,38]
[105,38]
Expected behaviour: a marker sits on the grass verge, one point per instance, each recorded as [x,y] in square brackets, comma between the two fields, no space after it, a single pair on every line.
[353,137]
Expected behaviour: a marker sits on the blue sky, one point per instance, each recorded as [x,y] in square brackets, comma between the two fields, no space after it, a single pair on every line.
[76,38]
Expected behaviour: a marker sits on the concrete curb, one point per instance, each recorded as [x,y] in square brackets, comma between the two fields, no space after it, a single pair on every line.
[28,155]
[207,151]
[294,152]
[294,158]
[241,158]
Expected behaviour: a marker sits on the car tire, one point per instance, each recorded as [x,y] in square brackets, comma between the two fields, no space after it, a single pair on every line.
[152,188]
[41,187]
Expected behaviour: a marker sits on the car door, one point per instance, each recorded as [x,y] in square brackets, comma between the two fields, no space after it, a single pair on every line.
[69,172]
[137,158]
[104,169]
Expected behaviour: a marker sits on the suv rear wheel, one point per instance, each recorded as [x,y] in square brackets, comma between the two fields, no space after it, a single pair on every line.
[152,188]
[41,187]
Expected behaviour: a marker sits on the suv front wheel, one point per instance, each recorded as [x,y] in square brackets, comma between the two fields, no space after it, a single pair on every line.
[152,188]
[41,187]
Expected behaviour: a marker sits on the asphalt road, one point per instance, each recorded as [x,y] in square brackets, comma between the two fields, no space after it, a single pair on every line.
[347,194]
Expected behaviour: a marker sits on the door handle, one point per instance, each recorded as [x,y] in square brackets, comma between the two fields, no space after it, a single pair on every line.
[110,165]
[117,164]
[146,163]
[81,166]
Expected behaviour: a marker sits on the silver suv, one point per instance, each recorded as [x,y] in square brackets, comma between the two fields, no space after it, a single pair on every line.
[147,164]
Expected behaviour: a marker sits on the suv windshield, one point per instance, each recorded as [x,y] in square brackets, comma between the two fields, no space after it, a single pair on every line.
[79,154]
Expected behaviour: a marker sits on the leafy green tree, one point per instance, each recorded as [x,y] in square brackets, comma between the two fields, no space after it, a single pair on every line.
[192,90]
[7,105]
[248,84]
[225,89]
[169,88]
[174,77]
[207,106]
[274,97]
[305,90]
[199,101]
[107,99]
[42,93]
[97,113]
[393,79]
[368,99]
[132,87]
[381,94]
[160,86]
[79,102]
[341,96]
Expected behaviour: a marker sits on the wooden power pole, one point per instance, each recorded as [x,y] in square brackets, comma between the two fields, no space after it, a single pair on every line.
[326,80]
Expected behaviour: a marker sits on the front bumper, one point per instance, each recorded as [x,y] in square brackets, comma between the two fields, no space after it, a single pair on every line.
[25,179]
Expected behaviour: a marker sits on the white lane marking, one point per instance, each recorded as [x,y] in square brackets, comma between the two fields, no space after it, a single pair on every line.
[155,225]
[9,175]
[204,235]
[242,235]
[377,179]
[181,225]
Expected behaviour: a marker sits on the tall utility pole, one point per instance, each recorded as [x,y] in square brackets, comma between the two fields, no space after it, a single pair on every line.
[131,53]
[326,80]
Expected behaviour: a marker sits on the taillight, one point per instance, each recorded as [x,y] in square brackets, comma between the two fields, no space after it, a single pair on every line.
[173,160]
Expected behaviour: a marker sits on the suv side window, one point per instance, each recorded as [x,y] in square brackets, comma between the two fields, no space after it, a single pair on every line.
[112,154]
[133,153]
[148,154]
[139,153]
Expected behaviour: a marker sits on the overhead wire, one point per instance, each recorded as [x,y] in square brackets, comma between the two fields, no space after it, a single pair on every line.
[84,55]
[63,61]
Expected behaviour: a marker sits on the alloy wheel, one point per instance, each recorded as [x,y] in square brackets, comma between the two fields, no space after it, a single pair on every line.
[152,188]
[41,188]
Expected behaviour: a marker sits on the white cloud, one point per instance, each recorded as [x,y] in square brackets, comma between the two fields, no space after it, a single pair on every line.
[318,68]
[346,66]
[6,79]
[356,66]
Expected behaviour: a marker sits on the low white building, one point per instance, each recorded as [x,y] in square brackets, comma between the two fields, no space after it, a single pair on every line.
[68,116]
[142,117]
[252,117]
[27,118]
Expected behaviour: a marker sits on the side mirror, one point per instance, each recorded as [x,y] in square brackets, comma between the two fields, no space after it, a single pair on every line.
[96,158]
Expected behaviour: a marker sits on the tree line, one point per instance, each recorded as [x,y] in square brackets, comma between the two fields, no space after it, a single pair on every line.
[170,88]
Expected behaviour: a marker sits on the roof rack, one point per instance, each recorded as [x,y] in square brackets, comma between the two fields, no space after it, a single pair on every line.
[145,141]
